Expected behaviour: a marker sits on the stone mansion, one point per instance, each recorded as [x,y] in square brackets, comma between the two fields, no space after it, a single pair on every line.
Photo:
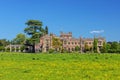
[68,42]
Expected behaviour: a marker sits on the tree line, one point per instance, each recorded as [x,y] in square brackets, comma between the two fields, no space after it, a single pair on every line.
[34,30]
[108,47]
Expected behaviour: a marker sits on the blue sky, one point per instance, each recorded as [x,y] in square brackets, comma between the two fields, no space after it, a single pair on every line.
[82,17]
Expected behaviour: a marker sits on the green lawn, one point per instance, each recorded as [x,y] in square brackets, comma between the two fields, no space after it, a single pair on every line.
[23,66]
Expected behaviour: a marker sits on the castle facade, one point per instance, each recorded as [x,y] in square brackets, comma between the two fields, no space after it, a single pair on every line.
[69,43]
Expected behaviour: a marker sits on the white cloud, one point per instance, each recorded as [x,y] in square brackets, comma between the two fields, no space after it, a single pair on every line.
[97,31]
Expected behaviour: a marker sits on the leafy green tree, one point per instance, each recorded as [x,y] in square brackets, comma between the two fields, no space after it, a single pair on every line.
[88,48]
[22,48]
[108,46]
[20,39]
[46,30]
[119,45]
[3,44]
[114,45]
[35,31]
[2,48]
[77,48]
[95,45]
[56,43]
[8,49]
[51,50]
[104,48]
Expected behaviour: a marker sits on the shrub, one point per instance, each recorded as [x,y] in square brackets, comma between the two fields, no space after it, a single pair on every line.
[17,49]
[51,50]
[62,50]
[13,49]
[8,50]
[118,51]
[113,51]
[22,48]
[2,48]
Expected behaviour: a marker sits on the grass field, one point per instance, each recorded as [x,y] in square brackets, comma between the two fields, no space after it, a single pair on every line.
[19,66]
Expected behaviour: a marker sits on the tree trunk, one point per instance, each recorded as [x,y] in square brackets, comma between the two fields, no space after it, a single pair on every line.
[33,48]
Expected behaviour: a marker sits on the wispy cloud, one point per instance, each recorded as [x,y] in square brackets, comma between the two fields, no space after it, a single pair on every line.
[96,31]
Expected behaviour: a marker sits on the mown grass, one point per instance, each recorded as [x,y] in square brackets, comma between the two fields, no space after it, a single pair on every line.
[25,66]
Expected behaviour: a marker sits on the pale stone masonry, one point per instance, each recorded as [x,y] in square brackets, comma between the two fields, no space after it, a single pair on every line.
[13,48]
[45,44]
[68,42]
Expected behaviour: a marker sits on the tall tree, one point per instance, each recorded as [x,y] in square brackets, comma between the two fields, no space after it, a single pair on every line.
[119,47]
[56,43]
[115,45]
[46,29]
[20,39]
[95,45]
[77,48]
[35,30]
[108,46]
[3,43]
[88,48]
[104,48]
